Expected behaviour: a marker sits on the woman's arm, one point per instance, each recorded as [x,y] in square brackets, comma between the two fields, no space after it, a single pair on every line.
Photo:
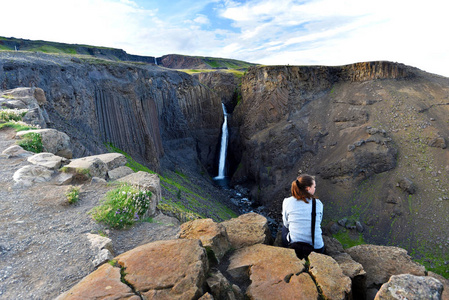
[284,214]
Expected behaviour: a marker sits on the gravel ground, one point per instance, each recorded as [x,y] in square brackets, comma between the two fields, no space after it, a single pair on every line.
[44,250]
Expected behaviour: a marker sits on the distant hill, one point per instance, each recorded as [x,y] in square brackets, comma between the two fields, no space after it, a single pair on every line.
[173,61]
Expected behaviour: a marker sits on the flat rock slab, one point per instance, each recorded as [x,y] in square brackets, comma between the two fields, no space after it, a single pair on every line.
[28,175]
[104,283]
[248,229]
[112,160]
[90,166]
[46,159]
[173,269]
[381,262]
[274,272]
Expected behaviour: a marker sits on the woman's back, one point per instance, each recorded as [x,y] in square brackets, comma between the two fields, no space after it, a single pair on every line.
[297,217]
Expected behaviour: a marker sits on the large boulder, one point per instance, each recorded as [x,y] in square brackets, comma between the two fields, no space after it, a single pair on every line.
[96,165]
[274,273]
[173,269]
[247,230]
[30,174]
[212,235]
[148,182]
[53,141]
[104,283]
[87,167]
[407,286]
[329,277]
[381,262]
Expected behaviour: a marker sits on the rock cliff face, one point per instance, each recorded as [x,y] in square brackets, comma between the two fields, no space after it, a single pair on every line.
[149,112]
[360,129]
[225,85]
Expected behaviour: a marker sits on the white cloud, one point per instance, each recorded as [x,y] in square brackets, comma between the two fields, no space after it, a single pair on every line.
[201,19]
[328,32]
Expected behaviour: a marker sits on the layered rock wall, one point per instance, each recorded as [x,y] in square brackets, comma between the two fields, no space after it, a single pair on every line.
[141,109]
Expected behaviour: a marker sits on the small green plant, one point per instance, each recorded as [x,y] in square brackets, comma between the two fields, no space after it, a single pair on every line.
[17,126]
[112,262]
[102,233]
[31,142]
[72,194]
[122,206]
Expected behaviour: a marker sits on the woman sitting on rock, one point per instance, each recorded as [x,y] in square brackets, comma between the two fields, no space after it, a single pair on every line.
[297,216]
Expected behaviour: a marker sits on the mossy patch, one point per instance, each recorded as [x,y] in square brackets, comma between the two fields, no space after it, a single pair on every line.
[349,239]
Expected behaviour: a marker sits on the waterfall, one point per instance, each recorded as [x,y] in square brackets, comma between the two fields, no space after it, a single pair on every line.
[155,60]
[224,145]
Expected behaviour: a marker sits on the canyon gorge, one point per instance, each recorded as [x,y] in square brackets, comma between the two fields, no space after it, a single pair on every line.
[373,133]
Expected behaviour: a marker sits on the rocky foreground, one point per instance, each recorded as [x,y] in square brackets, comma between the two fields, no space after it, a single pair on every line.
[234,260]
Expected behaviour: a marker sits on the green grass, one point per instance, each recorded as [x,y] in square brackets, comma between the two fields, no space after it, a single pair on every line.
[3,47]
[122,206]
[225,63]
[31,142]
[81,171]
[432,258]
[131,163]
[52,49]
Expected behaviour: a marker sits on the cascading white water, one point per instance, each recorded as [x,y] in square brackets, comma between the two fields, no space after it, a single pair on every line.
[224,145]
[155,60]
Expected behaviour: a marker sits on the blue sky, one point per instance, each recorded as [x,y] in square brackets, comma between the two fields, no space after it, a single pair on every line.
[307,32]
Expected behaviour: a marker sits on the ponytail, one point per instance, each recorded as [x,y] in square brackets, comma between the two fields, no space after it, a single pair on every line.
[299,187]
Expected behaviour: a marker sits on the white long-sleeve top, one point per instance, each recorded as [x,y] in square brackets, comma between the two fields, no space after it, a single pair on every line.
[297,217]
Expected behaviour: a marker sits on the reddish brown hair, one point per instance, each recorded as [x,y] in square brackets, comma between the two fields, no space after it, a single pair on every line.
[299,187]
